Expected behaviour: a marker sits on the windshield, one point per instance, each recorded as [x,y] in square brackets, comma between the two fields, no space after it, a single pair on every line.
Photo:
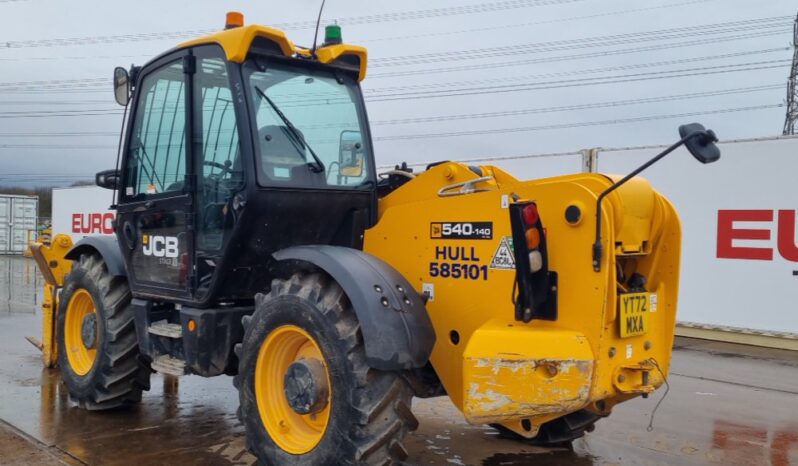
[309,128]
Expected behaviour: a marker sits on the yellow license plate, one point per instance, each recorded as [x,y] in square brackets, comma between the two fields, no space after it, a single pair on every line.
[634,310]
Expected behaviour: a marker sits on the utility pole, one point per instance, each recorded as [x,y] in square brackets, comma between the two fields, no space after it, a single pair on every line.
[791,122]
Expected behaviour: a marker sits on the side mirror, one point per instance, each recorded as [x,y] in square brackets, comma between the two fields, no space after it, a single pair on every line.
[121,86]
[702,145]
[698,140]
[351,154]
[108,179]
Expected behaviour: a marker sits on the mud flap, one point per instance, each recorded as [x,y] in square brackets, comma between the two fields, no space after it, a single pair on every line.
[397,331]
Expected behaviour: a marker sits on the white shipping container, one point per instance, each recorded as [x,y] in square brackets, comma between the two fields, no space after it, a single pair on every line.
[18,219]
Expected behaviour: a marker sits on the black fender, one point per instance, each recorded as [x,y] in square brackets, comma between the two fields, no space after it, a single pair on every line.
[106,247]
[397,331]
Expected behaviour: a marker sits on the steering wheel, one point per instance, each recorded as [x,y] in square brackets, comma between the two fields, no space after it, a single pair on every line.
[224,167]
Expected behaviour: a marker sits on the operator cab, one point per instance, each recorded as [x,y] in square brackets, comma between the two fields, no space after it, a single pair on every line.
[237,145]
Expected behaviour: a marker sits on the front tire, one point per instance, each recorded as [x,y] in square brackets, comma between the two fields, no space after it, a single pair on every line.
[366,413]
[97,346]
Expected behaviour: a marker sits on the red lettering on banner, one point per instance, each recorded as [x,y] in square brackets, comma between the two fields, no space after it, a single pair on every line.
[108,223]
[787,246]
[727,234]
[85,224]
[95,223]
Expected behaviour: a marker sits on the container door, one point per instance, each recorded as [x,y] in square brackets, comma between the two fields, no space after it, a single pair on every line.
[23,222]
[5,219]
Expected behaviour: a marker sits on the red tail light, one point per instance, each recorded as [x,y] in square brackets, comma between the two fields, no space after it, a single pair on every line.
[536,295]
[531,215]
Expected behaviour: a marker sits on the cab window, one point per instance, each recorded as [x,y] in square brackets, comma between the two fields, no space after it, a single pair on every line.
[156,159]
[309,127]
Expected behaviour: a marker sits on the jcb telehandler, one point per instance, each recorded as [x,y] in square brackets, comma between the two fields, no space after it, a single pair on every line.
[254,238]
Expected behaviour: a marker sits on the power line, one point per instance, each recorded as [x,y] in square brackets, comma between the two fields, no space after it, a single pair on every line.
[377,92]
[619,79]
[415,36]
[535,23]
[467,133]
[589,42]
[539,47]
[80,57]
[92,84]
[568,108]
[474,91]
[630,66]
[469,116]
[484,7]
[572,57]
[65,113]
[576,125]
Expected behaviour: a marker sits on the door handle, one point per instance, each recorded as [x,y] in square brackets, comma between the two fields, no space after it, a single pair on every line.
[149,204]
[129,235]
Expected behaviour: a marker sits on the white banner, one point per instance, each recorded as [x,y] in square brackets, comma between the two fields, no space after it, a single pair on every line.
[740,251]
[82,211]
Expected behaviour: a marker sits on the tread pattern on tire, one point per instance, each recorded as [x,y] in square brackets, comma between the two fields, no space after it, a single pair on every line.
[381,400]
[118,377]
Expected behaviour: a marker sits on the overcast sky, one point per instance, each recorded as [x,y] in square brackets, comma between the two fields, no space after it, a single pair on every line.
[562,75]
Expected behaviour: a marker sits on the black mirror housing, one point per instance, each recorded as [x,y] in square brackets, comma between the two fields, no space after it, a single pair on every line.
[350,154]
[702,145]
[121,86]
[108,179]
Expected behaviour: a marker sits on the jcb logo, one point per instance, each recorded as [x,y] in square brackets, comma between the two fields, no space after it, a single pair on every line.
[160,246]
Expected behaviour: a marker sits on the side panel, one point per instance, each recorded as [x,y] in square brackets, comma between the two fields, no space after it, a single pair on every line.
[397,331]
[459,248]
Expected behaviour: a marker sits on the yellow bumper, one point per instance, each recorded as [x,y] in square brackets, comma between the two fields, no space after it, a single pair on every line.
[537,372]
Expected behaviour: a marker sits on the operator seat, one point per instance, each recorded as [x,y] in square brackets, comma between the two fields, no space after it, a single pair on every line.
[278,150]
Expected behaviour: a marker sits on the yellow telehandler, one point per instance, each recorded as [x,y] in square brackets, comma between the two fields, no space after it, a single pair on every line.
[255,238]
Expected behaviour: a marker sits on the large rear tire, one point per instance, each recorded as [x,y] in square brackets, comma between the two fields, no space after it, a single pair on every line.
[97,346]
[364,413]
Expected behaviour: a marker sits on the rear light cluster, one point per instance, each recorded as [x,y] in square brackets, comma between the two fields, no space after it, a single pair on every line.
[535,295]
[533,236]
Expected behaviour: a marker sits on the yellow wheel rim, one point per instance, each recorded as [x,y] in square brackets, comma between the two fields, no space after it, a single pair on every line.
[294,433]
[81,359]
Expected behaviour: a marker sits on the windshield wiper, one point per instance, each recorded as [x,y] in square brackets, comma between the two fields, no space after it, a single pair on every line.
[319,168]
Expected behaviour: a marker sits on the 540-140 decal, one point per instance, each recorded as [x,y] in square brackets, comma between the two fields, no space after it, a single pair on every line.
[461,230]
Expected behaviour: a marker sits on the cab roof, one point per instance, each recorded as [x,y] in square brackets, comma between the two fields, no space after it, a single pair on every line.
[238,40]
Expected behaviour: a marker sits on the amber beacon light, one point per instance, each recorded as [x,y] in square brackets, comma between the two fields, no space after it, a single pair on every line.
[234,19]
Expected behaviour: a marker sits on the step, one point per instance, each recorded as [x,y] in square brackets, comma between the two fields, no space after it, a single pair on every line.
[166,364]
[165,329]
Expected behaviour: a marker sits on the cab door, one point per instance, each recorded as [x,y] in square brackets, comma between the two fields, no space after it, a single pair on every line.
[155,210]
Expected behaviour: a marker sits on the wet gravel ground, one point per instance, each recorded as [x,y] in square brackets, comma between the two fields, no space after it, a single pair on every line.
[728,404]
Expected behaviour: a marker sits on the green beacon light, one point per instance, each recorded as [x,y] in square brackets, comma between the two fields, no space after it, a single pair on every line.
[332,34]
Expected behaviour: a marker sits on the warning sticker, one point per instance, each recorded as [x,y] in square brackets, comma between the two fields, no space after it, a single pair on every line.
[503,258]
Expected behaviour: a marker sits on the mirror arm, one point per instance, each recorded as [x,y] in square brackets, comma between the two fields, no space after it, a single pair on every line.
[597,248]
